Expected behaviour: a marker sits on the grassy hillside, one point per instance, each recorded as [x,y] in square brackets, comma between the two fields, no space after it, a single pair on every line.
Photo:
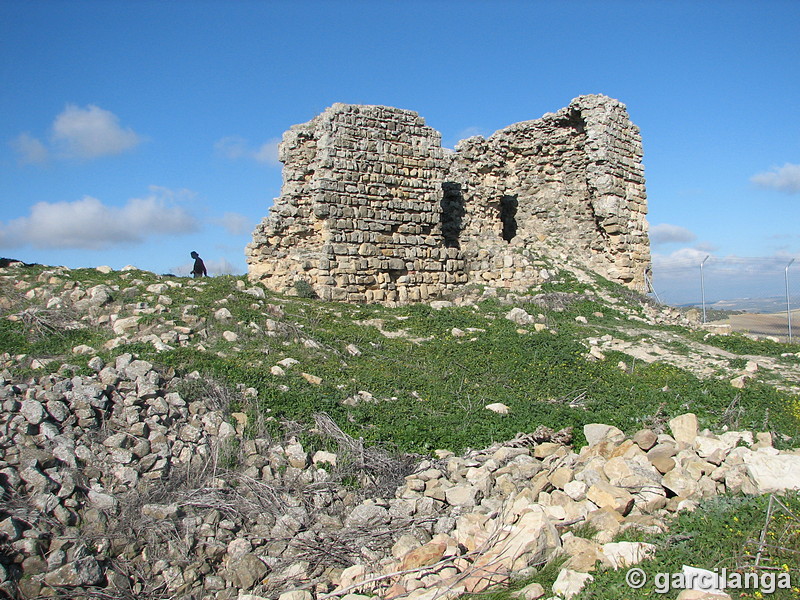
[418,378]
[413,377]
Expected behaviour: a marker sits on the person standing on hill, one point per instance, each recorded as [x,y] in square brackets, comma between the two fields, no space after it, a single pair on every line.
[199,269]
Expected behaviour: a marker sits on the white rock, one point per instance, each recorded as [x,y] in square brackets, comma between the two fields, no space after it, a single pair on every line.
[296,595]
[595,352]
[83,349]
[223,314]
[256,292]
[701,580]
[773,472]
[596,432]
[462,495]
[575,490]
[498,407]
[519,316]
[126,324]
[440,304]
[569,583]
[740,382]
[626,554]
[684,428]
[321,456]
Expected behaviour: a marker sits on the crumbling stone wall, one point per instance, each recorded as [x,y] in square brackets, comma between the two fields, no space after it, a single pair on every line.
[374,209]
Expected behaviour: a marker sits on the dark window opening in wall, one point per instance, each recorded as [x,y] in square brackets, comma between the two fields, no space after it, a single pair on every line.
[452,214]
[508,216]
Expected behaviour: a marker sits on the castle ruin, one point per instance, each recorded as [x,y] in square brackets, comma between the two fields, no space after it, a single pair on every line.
[374,209]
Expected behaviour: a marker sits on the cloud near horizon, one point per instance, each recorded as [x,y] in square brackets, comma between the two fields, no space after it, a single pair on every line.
[235,147]
[91,225]
[784,179]
[670,234]
[78,133]
[235,223]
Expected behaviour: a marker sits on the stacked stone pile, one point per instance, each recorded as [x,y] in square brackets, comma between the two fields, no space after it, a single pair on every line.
[136,311]
[114,483]
[127,310]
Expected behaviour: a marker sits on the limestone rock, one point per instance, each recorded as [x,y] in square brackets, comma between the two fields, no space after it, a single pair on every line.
[684,428]
[595,432]
[498,407]
[626,554]
[519,316]
[773,473]
[569,583]
[82,572]
[246,571]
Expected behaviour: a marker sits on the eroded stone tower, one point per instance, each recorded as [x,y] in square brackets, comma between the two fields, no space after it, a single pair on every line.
[374,209]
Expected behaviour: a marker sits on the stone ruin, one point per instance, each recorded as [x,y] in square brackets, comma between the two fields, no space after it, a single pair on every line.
[374,209]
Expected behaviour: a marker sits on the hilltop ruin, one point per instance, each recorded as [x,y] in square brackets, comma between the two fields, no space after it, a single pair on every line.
[374,209]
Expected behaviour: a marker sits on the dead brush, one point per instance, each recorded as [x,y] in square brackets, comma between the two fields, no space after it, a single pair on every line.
[43,322]
[376,469]
[732,415]
[657,422]
[215,394]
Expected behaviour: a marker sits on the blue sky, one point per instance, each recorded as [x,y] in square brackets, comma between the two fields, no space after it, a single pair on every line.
[135,132]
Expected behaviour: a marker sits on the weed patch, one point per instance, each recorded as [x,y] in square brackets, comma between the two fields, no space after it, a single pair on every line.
[746,537]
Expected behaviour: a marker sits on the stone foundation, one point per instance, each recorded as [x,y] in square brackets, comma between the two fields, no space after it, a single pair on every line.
[373,209]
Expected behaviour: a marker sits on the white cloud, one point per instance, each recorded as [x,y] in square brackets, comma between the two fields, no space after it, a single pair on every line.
[667,234]
[91,132]
[682,258]
[235,147]
[784,179]
[678,277]
[235,223]
[90,224]
[29,149]
[268,153]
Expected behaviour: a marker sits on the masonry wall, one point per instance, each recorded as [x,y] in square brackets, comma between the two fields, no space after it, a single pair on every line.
[374,209]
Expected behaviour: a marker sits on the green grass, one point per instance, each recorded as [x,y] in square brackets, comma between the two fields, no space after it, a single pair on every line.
[430,394]
[724,533]
[738,343]
[431,386]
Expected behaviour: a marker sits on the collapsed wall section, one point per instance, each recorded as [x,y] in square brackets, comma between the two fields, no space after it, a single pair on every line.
[374,209]
[569,184]
[359,213]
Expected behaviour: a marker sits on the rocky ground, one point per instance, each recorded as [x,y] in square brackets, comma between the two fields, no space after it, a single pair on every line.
[123,479]
[116,485]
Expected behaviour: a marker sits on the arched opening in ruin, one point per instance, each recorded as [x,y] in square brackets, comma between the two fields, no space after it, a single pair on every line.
[508,216]
[452,213]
